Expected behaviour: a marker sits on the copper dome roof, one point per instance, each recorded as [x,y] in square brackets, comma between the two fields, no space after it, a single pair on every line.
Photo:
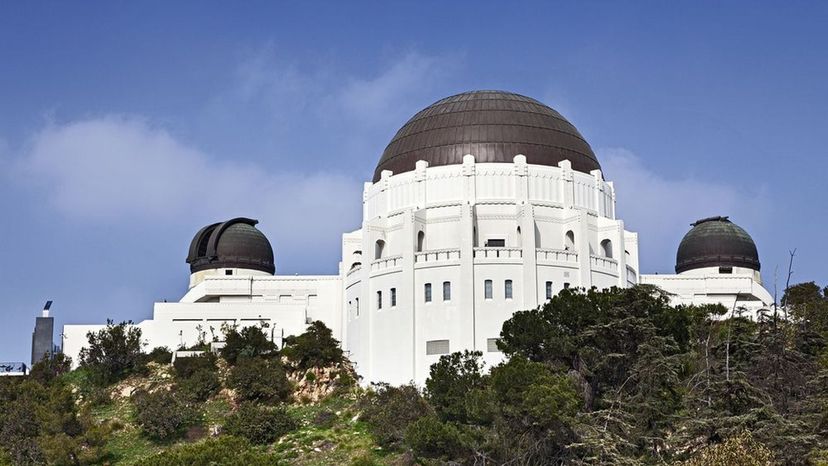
[494,126]
[716,242]
[236,243]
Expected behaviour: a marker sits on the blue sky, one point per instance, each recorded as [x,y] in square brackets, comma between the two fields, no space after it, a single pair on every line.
[126,126]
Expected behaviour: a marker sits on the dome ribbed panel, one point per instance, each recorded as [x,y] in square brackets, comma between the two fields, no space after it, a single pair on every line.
[494,126]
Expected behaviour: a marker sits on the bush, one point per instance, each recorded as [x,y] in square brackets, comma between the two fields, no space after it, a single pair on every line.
[200,386]
[390,410]
[250,342]
[451,380]
[222,451]
[259,424]
[187,366]
[162,415]
[158,355]
[48,369]
[260,380]
[430,438]
[42,424]
[114,352]
[740,450]
[315,348]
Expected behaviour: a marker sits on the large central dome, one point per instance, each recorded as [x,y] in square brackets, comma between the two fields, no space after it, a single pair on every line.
[494,126]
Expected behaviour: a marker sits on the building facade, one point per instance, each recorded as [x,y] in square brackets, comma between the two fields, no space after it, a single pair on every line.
[483,204]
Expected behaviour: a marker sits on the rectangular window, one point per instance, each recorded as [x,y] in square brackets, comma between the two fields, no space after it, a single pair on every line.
[437,347]
[566,285]
[491,345]
[495,243]
[379,299]
[487,289]
[725,269]
[548,290]
[228,272]
[446,291]
[428,292]
[508,289]
[393,297]
[357,306]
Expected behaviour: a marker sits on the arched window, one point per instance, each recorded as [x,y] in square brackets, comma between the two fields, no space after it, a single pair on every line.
[420,241]
[519,238]
[569,241]
[606,248]
[507,291]
[379,249]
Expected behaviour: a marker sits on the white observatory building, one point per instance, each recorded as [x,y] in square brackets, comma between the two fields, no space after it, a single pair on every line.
[483,204]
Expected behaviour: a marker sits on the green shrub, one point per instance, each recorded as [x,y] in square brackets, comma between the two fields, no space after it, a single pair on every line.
[221,451]
[187,366]
[200,386]
[315,348]
[42,424]
[159,355]
[451,380]
[259,424]
[260,380]
[48,369]
[162,415]
[113,353]
[249,342]
[390,410]
[430,438]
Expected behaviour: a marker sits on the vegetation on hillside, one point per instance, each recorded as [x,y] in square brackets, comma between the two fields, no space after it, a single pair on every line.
[593,377]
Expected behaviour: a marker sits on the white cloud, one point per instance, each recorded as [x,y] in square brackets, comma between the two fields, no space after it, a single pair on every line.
[375,100]
[661,209]
[119,170]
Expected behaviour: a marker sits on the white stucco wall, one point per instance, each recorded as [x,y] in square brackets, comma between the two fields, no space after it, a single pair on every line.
[458,208]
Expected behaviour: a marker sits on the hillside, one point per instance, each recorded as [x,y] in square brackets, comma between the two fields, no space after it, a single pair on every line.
[593,377]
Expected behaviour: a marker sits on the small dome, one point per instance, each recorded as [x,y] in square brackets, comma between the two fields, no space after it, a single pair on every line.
[236,243]
[716,242]
[494,126]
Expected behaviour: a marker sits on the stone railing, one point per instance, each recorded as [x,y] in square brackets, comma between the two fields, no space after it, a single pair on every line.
[356,268]
[497,253]
[436,255]
[556,255]
[604,264]
[386,263]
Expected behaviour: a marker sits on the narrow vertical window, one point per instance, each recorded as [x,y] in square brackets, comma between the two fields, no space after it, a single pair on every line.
[548,290]
[508,289]
[393,297]
[487,289]
[428,292]
[446,291]
[357,306]
[569,241]
[566,286]
[379,249]
[379,299]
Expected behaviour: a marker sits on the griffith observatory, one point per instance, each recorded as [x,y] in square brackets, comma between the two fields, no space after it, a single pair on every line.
[483,204]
